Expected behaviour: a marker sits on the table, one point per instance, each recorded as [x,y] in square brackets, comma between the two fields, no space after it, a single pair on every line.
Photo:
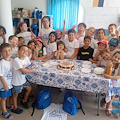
[47,74]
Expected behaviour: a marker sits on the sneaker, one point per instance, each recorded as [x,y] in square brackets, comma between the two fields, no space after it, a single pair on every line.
[25,105]
[18,111]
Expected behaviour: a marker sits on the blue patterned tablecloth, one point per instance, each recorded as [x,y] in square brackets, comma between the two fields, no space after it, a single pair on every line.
[48,74]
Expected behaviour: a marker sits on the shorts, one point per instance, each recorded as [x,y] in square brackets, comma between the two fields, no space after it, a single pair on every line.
[5,94]
[18,89]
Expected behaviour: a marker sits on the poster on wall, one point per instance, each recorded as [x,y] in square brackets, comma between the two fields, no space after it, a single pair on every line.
[101,17]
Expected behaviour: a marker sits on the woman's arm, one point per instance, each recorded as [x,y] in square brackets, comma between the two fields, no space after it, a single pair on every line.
[64,27]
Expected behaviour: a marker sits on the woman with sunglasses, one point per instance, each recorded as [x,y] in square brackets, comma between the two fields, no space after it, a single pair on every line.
[44,32]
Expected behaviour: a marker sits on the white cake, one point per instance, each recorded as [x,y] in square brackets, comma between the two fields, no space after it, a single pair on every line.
[66,65]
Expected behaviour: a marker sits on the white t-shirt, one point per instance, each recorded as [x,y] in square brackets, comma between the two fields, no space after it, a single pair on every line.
[44,34]
[104,62]
[18,77]
[110,37]
[60,53]
[15,52]
[71,46]
[112,52]
[92,44]
[26,35]
[6,72]
[51,47]
[44,51]
[1,40]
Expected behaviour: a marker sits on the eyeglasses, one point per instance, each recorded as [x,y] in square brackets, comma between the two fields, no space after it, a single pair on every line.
[45,21]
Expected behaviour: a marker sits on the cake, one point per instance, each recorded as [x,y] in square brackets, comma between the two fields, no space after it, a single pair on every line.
[66,65]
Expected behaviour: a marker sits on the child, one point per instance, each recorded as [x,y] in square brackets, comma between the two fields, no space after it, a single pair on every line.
[112,29]
[90,32]
[71,44]
[21,41]
[2,34]
[104,58]
[51,47]
[40,50]
[5,77]
[44,32]
[100,35]
[22,32]
[61,35]
[102,45]
[19,81]
[115,76]
[31,45]
[60,54]
[113,44]
[86,52]
[13,41]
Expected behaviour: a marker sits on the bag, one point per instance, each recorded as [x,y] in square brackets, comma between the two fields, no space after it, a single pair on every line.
[42,101]
[70,104]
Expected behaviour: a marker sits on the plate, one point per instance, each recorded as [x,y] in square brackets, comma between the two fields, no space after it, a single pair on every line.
[86,70]
[86,66]
[99,70]
[53,63]
[86,63]
[46,65]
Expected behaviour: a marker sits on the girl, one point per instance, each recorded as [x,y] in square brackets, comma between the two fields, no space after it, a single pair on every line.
[2,34]
[44,32]
[22,32]
[40,50]
[51,47]
[104,58]
[90,32]
[101,35]
[60,50]
[115,76]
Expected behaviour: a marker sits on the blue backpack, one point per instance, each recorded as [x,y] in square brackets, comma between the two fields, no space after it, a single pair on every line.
[70,104]
[42,101]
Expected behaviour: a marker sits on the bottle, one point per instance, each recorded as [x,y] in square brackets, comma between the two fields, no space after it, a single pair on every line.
[109,70]
[29,66]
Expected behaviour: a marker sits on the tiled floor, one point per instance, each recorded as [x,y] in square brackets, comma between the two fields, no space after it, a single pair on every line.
[89,102]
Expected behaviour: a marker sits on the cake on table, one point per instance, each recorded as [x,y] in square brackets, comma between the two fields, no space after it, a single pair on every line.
[66,65]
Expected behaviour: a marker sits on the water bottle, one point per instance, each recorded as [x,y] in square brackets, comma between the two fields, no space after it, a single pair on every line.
[29,66]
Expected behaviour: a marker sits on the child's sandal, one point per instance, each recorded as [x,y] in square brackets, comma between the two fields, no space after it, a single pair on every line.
[9,116]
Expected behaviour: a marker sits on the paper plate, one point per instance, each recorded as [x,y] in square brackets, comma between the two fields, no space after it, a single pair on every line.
[86,63]
[85,70]
[86,66]
[99,70]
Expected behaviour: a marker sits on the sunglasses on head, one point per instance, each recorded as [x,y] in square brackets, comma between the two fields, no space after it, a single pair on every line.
[112,45]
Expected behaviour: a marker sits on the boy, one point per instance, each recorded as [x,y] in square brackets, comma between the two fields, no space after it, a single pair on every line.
[19,81]
[102,45]
[13,41]
[113,44]
[71,44]
[5,77]
[112,29]
[86,52]
[21,41]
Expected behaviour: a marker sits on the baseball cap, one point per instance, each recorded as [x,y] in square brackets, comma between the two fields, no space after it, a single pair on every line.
[103,41]
[113,42]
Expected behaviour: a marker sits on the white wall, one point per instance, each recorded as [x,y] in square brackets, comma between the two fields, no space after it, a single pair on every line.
[30,4]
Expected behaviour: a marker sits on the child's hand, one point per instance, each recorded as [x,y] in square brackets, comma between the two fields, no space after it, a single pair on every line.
[64,21]
[65,50]
[74,26]
[33,35]
[100,58]
[117,32]
[90,60]
[6,88]
[44,60]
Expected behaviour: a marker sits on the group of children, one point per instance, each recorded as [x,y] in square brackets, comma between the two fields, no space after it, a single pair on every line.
[24,45]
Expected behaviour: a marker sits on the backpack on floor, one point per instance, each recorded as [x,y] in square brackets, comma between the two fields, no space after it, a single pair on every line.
[70,104]
[42,101]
